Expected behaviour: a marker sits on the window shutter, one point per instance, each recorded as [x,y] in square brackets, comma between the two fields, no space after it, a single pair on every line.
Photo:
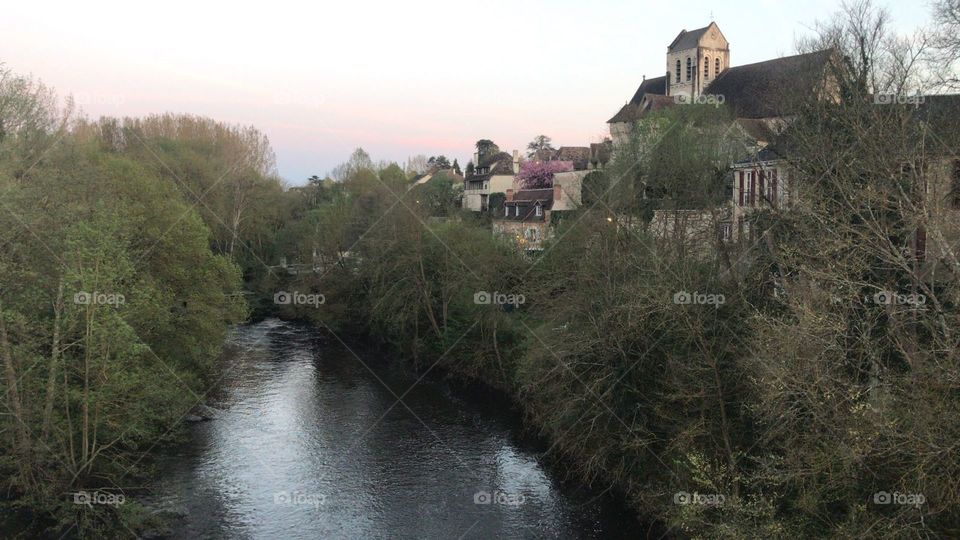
[773,187]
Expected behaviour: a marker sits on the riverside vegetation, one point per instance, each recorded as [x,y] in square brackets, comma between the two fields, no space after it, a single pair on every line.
[778,413]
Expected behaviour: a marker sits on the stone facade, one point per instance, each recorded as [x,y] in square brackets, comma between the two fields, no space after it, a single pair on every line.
[694,59]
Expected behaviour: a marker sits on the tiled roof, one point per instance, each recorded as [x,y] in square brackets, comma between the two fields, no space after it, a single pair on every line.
[527,200]
[765,89]
[631,111]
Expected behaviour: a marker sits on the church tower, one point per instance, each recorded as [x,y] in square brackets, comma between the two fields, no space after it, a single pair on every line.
[695,59]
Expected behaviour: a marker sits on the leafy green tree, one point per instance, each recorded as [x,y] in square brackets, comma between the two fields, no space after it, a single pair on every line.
[538,144]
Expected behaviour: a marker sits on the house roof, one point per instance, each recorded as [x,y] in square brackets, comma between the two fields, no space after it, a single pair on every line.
[527,201]
[578,155]
[764,89]
[500,164]
[688,40]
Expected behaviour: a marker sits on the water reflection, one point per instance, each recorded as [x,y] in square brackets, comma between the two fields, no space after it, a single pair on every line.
[310,444]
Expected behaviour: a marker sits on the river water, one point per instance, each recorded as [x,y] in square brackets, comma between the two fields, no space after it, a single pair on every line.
[311,442]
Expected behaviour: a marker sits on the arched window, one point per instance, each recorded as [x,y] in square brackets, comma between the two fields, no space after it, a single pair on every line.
[689,69]
[706,67]
[678,71]
[716,68]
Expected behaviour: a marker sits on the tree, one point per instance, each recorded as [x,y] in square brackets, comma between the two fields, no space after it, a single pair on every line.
[438,163]
[539,174]
[469,170]
[417,165]
[486,148]
[359,160]
[456,167]
[540,142]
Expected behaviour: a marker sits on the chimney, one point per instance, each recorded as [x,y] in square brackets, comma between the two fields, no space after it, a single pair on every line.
[516,161]
[557,193]
[476,159]
[509,195]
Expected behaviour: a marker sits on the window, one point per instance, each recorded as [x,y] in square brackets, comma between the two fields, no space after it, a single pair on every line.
[726,231]
[678,71]
[740,189]
[716,68]
[706,68]
[751,187]
[539,210]
[689,69]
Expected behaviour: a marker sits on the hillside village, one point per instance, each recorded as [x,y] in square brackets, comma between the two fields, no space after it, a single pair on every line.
[762,98]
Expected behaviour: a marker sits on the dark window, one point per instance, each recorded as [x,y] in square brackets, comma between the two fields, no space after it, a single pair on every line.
[678,71]
[706,68]
[773,188]
[716,68]
[689,68]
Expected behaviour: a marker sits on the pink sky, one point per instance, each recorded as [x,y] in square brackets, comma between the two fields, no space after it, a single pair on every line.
[397,78]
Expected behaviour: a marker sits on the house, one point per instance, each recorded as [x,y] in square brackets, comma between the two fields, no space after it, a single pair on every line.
[492,174]
[447,174]
[525,216]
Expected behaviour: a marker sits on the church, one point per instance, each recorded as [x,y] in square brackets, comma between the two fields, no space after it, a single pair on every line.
[698,66]
[761,96]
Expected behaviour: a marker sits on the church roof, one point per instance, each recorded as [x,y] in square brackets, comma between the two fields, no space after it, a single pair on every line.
[631,112]
[764,89]
[688,40]
[657,85]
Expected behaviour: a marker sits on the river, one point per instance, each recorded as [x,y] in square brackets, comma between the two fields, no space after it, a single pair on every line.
[311,442]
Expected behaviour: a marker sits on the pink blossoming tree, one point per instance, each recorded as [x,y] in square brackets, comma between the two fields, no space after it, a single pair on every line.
[539,174]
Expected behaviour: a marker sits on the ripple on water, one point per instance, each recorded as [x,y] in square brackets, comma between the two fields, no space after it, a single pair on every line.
[306,448]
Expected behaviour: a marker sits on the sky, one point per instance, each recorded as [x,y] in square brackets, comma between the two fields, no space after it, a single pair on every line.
[395,78]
